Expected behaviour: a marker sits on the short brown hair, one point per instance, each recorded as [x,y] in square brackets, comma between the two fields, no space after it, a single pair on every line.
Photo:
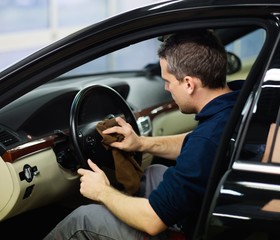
[197,53]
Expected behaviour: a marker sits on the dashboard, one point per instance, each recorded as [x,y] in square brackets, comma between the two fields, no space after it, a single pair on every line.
[34,134]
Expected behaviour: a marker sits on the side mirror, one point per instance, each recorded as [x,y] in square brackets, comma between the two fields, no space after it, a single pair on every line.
[233,63]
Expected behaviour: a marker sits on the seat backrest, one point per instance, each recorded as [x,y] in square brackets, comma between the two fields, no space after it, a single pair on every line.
[272,148]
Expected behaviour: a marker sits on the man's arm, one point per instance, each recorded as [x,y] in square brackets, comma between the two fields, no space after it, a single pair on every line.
[134,211]
[163,146]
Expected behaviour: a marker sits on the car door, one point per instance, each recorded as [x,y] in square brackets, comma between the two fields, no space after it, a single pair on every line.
[246,203]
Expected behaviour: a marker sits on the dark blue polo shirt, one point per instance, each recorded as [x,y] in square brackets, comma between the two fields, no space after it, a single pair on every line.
[179,196]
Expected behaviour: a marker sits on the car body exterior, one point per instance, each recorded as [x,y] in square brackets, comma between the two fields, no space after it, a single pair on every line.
[37,94]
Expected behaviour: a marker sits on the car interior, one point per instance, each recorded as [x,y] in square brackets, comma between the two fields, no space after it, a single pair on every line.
[43,132]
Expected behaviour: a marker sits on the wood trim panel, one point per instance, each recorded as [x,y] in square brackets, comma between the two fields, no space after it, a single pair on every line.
[153,111]
[28,148]
[32,146]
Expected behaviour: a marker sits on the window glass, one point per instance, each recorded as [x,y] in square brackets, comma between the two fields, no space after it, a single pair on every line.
[134,57]
[262,140]
[144,53]
[247,49]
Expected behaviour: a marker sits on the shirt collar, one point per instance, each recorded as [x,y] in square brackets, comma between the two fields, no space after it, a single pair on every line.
[221,102]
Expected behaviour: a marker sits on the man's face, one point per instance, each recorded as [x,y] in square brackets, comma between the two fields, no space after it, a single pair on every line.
[178,89]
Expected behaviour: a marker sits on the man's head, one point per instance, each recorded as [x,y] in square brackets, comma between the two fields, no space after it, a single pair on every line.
[197,53]
[193,65]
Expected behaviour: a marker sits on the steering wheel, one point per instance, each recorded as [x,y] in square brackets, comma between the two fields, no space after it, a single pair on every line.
[90,106]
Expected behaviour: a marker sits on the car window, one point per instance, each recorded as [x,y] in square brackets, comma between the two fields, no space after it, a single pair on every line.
[131,58]
[139,55]
[262,142]
[247,49]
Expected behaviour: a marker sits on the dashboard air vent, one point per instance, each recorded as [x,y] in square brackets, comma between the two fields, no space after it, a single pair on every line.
[7,138]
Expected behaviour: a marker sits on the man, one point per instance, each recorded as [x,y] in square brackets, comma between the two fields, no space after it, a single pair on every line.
[193,66]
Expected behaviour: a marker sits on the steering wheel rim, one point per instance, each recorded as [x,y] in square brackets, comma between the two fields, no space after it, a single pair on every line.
[84,138]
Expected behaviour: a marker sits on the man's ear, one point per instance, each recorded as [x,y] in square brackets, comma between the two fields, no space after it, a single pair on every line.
[189,84]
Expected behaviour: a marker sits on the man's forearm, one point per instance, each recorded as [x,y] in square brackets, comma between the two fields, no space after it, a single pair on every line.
[134,211]
[163,146]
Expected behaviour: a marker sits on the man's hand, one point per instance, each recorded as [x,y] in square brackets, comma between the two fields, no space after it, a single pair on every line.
[92,182]
[131,141]
[134,211]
